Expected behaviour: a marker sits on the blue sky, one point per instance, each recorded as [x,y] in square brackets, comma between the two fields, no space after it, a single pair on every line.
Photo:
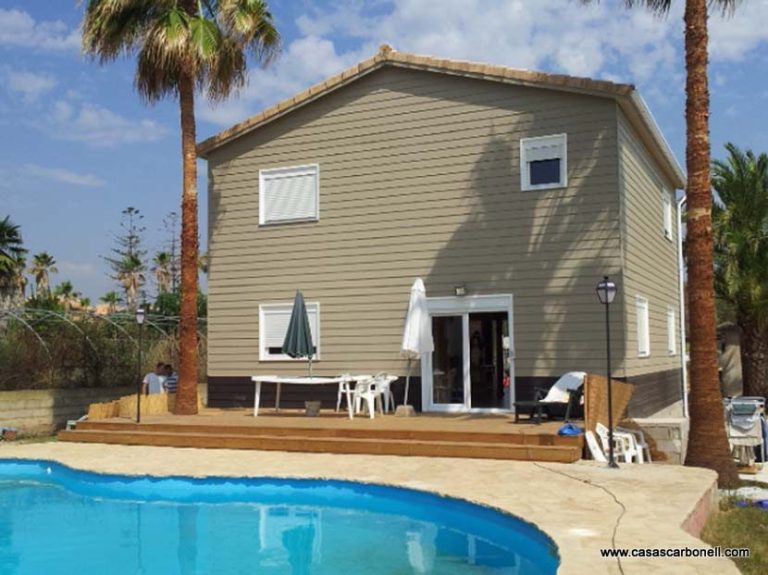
[78,144]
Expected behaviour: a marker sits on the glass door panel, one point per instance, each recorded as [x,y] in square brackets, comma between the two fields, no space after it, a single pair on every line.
[488,360]
[448,360]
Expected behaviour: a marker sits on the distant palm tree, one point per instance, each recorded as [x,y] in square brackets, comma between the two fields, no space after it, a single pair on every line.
[65,293]
[741,256]
[11,253]
[131,276]
[43,265]
[85,303]
[181,46]
[162,270]
[112,299]
[708,443]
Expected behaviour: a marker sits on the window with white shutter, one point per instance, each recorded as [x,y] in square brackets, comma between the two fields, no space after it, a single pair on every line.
[543,162]
[273,325]
[671,331]
[643,327]
[289,194]
[667,203]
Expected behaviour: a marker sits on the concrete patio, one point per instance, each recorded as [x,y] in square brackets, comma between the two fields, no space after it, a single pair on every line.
[584,507]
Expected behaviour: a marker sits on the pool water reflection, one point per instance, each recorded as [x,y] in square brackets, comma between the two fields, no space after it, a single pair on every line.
[58,520]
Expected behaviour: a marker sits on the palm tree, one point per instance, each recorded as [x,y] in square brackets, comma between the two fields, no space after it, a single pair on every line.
[65,292]
[741,256]
[43,265]
[85,303]
[131,276]
[162,270]
[708,443]
[111,298]
[182,45]
[11,252]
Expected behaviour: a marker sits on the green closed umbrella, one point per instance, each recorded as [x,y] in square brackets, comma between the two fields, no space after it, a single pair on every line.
[298,338]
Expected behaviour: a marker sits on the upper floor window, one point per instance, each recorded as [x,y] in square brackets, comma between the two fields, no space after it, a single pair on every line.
[643,327]
[289,194]
[543,162]
[667,204]
[273,325]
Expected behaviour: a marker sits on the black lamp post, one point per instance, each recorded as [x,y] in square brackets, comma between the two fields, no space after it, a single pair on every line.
[140,321]
[606,293]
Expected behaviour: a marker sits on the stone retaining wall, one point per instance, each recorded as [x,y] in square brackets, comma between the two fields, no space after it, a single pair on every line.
[40,412]
[668,436]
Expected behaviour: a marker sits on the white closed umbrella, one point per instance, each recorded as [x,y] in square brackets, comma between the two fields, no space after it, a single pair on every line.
[417,335]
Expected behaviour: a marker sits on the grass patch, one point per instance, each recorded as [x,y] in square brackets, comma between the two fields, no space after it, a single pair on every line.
[741,527]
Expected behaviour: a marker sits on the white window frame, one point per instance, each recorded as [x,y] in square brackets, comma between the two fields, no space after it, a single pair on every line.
[667,214]
[264,309]
[671,331]
[304,169]
[526,144]
[643,335]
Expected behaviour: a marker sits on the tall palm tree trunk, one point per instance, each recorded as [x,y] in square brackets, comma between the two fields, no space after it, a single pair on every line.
[754,360]
[708,444]
[186,398]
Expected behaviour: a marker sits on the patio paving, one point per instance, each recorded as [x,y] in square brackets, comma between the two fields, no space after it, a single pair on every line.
[584,507]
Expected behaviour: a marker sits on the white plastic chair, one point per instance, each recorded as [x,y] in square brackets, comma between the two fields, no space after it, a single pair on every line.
[370,392]
[623,444]
[348,385]
[642,444]
[385,381]
[594,447]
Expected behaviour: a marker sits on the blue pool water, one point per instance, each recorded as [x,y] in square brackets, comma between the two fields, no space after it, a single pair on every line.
[54,519]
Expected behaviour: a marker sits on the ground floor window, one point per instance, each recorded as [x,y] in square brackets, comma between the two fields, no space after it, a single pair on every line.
[273,325]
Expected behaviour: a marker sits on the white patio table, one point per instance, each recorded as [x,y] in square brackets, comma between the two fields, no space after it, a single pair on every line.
[280,381]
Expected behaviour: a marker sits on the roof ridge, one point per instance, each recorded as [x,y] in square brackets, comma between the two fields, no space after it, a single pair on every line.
[388,55]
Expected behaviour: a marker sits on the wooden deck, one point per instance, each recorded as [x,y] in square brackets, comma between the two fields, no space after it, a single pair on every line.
[431,435]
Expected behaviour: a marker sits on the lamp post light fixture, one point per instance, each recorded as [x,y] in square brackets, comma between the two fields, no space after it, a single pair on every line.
[140,315]
[606,292]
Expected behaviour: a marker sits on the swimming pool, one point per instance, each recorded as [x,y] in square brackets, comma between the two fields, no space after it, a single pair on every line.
[55,519]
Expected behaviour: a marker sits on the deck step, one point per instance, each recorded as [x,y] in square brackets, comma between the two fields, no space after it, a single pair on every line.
[305,442]
[511,437]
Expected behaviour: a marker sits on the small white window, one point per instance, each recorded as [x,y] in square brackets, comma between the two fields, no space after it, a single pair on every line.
[671,331]
[273,325]
[667,203]
[543,162]
[289,194]
[643,327]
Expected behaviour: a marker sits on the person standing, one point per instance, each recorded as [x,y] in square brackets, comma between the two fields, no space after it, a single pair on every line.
[154,381]
[171,379]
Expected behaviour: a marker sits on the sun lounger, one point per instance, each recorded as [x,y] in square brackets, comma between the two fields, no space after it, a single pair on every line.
[566,393]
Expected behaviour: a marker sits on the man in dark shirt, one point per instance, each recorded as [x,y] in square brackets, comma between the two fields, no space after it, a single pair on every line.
[171,379]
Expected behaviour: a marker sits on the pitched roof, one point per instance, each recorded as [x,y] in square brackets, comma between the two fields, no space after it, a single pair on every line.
[626,95]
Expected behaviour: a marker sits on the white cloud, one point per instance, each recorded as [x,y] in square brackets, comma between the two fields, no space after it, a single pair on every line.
[62,176]
[552,35]
[733,38]
[29,85]
[305,61]
[19,29]
[98,126]
[79,269]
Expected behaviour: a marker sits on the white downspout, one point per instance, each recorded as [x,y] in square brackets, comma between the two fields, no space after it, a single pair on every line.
[681,281]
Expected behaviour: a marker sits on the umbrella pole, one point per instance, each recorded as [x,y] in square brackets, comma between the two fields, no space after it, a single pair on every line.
[407,382]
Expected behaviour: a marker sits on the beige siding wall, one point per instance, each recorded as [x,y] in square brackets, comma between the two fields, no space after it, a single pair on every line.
[651,261]
[419,177]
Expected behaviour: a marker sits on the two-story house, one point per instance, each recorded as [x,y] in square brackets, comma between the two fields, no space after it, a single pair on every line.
[510,192]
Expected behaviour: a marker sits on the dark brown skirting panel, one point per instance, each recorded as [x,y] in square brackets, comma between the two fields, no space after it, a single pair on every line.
[653,392]
[237,391]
